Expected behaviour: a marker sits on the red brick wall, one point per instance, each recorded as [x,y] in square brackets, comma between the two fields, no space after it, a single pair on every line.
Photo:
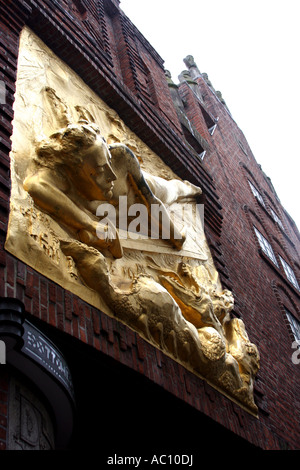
[11,23]
[192,108]
[260,290]
[50,303]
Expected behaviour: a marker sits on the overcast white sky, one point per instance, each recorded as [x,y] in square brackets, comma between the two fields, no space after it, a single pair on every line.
[250,51]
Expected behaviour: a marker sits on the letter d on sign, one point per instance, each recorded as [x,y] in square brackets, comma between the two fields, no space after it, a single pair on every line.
[2,352]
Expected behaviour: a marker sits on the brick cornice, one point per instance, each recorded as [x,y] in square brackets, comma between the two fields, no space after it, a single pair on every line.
[16,12]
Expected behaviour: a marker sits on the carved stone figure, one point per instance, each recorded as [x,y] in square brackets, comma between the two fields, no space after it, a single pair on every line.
[192,66]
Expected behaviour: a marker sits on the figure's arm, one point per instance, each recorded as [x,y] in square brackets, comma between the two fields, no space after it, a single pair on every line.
[170,191]
[48,190]
[127,158]
[138,181]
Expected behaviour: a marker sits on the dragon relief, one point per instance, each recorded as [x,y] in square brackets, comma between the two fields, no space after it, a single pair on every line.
[188,321]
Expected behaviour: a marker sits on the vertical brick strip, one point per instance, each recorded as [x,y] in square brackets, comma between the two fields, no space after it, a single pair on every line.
[4,391]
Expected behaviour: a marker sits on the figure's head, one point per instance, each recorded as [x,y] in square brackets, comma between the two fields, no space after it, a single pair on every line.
[81,149]
[68,145]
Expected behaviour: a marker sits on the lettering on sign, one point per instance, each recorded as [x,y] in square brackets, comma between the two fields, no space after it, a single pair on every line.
[38,347]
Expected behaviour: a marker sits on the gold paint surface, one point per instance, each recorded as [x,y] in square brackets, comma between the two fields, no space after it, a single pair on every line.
[72,154]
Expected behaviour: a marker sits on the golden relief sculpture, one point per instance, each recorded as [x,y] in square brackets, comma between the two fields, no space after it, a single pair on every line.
[95,210]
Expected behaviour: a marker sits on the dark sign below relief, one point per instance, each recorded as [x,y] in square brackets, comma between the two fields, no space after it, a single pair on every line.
[28,352]
[42,351]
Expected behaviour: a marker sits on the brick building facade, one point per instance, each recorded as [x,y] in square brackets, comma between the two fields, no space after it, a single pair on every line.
[121,385]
